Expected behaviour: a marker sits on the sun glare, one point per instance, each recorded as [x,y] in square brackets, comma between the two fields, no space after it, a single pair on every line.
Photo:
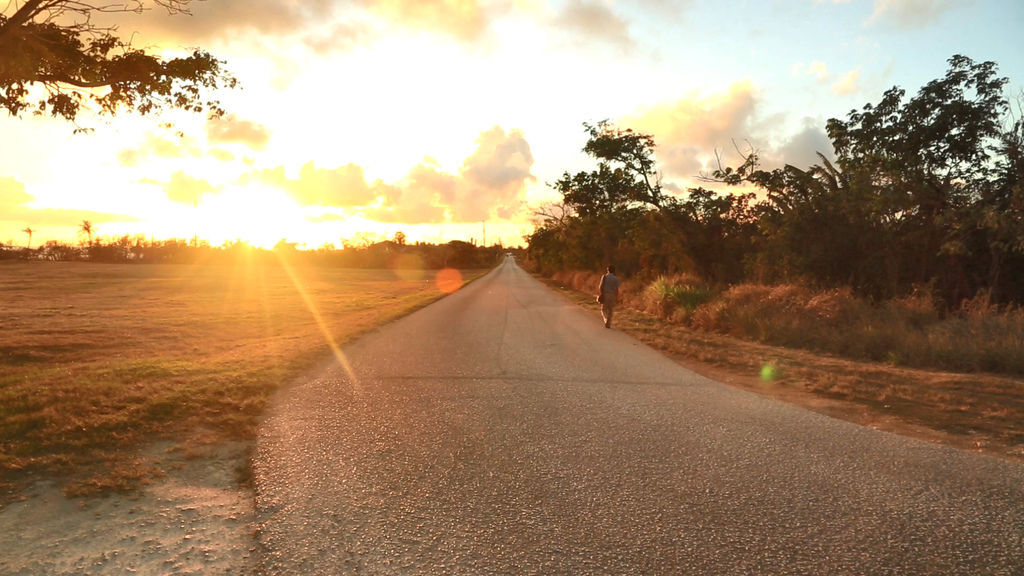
[257,215]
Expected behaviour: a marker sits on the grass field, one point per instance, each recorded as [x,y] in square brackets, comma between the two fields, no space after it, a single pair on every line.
[97,360]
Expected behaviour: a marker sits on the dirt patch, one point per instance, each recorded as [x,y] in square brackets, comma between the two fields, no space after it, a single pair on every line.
[195,519]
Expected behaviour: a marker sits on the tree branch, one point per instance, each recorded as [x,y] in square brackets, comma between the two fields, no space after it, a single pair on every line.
[74,81]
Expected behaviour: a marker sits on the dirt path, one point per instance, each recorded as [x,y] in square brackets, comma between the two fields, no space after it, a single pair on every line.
[194,520]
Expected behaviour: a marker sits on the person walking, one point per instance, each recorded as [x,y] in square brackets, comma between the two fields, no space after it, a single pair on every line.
[607,294]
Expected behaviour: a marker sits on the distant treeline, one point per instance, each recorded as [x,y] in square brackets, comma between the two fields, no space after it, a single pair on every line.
[924,195]
[386,254]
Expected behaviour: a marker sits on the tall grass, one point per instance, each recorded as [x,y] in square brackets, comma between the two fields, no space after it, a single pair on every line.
[909,331]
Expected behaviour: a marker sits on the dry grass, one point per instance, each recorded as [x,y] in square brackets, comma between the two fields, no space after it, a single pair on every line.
[96,360]
[908,331]
[975,411]
[902,332]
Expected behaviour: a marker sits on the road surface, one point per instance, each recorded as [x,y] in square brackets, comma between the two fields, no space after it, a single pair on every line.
[503,430]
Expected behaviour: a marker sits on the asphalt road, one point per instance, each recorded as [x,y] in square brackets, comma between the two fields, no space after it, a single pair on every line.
[503,430]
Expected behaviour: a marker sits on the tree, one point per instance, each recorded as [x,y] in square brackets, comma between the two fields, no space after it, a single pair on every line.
[999,214]
[927,163]
[56,45]
[28,230]
[87,229]
[633,152]
[620,213]
[924,192]
[598,192]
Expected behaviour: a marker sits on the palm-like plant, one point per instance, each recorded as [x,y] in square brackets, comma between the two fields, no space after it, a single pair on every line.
[87,229]
[28,230]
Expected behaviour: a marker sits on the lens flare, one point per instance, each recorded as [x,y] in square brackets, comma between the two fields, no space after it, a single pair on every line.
[448,280]
[769,372]
[338,354]
[408,267]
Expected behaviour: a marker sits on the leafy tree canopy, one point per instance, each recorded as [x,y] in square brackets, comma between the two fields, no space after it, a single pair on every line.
[54,44]
[944,134]
[926,193]
[625,175]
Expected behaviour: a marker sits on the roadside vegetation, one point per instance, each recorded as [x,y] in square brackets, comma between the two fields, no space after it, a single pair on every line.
[888,277]
[910,331]
[980,411]
[98,360]
[922,198]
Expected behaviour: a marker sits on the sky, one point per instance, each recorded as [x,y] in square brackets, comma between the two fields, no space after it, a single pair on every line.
[448,119]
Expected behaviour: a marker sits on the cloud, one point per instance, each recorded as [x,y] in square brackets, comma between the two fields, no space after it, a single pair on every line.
[344,186]
[430,182]
[222,155]
[908,14]
[666,8]
[12,195]
[817,68]
[340,37]
[229,130]
[590,20]
[466,20]
[185,189]
[801,150]
[494,176]
[232,129]
[226,19]
[501,161]
[159,146]
[420,199]
[848,84]
[67,217]
[14,207]
[693,127]
[322,25]
[490,183]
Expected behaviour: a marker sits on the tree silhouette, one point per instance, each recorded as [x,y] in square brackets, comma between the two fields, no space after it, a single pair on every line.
[87,229]
[55,45]
[28,230]
[630,152]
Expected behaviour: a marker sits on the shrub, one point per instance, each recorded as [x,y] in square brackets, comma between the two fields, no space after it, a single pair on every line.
[675,297]
[907,331]
[978,338]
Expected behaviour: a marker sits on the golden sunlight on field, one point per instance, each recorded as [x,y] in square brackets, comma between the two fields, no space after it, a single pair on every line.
[98,358]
